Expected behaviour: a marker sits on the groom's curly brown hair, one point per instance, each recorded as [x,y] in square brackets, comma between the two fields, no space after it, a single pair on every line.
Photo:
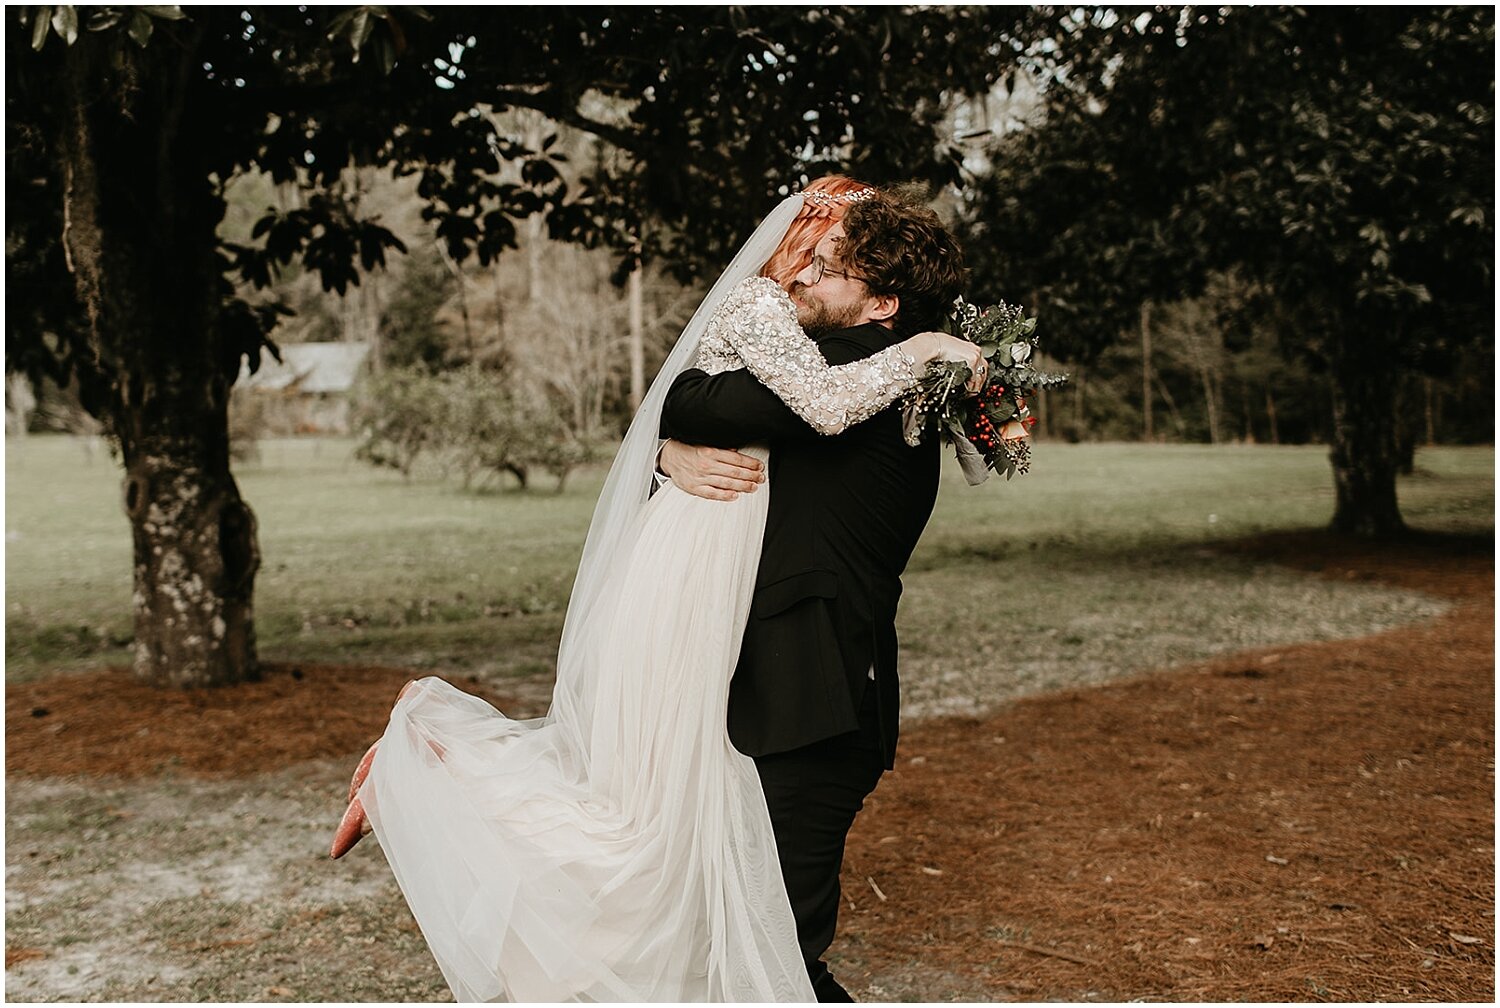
[898,246]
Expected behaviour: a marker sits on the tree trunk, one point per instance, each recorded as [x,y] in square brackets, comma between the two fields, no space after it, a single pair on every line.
[1364,454]
[1406,429]
[1245,409]
[1146,367]
[20,403]
[1406,449]
[1078,387]
[1166,396]
[1210,401]
[195,562]
[1427,412]
[463,300]
[143,259]
[637,340]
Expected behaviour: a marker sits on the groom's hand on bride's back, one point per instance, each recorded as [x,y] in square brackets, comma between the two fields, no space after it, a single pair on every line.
[720,474]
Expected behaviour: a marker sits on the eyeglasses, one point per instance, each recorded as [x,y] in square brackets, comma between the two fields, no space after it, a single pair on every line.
[820,267]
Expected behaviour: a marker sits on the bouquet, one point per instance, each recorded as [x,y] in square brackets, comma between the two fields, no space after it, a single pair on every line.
[990,430]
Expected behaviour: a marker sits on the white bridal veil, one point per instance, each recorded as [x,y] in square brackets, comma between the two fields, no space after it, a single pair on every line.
[622,502]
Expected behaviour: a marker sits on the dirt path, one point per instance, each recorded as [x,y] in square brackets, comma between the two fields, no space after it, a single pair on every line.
[1310,822]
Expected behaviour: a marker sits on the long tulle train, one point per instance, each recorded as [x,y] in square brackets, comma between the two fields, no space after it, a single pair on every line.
[618,849]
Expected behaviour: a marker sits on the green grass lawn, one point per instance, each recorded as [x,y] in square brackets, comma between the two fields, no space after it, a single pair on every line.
[1096,557]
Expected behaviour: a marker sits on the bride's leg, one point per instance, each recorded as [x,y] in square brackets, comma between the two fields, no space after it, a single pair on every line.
[355,825]
[431,744]
[363,770]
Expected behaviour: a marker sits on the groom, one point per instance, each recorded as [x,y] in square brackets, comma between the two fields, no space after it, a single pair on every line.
[815,697]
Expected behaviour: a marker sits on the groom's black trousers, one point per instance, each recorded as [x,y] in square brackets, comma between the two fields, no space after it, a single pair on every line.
[813,794]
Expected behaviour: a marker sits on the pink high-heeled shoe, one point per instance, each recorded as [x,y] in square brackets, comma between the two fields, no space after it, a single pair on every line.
[353,828]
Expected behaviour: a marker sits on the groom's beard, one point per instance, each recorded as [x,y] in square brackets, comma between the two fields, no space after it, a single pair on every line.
[818,318]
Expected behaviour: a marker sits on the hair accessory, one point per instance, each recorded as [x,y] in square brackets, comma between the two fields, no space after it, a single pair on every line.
[823,199]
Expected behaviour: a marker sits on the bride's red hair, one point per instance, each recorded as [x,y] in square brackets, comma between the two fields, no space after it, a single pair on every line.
[795,252]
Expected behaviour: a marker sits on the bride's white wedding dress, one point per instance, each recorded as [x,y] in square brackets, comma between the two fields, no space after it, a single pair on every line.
[619,849]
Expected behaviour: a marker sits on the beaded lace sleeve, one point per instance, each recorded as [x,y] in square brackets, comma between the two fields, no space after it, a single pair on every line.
[756,327]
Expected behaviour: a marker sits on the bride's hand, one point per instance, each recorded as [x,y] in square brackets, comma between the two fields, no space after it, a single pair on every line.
[711,473]
[926,347]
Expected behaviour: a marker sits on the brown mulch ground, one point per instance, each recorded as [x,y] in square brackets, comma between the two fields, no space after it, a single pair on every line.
[1311,822]
[107,724]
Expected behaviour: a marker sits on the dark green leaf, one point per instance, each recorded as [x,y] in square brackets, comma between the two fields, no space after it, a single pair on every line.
[263,225]
[108,17]
[41,19]
[339,24]
[385,52]
[162,12]
[65,23]
[361,31]
[140,29]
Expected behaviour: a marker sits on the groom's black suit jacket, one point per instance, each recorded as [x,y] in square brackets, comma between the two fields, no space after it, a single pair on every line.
[844,515]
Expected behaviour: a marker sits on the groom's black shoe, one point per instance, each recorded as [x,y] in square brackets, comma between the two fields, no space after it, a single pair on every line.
[828,990]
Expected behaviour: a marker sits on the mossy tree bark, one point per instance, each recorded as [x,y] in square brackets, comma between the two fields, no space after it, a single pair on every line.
[139,218]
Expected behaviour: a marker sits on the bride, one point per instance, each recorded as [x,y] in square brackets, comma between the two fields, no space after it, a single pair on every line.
[619,849]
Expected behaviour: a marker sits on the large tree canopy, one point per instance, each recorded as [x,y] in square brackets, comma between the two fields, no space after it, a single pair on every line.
[124,125]
[1343,161]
